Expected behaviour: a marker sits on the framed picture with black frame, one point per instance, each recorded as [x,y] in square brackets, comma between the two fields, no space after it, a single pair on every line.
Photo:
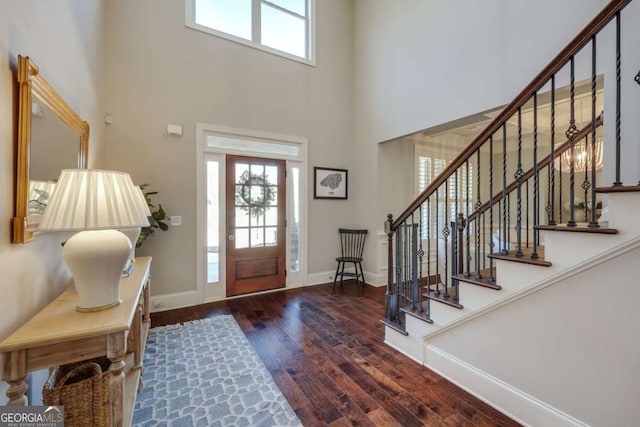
[329,183]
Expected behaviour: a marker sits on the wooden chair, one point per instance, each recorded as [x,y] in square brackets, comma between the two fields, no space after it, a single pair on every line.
[352,246]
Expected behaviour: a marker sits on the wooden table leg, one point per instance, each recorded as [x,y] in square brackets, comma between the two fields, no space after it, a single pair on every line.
[136,329]
[147,301]
[14,370]
[115,352]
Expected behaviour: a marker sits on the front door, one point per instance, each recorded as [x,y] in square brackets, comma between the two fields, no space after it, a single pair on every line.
[255,205]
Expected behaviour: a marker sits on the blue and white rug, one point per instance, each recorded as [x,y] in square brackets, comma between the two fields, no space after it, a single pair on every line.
[205,373]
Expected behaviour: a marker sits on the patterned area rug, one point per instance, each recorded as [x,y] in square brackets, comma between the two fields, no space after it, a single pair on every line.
[205,373]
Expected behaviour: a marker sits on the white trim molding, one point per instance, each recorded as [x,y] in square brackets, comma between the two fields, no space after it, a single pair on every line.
[585,265]
[496,393]
[296,160]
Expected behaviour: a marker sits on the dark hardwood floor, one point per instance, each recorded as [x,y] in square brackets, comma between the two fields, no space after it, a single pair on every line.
[326,354]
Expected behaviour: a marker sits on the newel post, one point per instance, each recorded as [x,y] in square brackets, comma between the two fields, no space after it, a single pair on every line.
[390,297]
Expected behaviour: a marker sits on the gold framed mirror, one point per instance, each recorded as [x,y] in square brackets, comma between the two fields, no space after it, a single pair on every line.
[51,137]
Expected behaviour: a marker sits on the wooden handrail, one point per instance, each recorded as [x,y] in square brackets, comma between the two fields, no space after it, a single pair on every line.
[541,165]
[592,28]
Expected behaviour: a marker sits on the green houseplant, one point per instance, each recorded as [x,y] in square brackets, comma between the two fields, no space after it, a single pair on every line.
[156,220]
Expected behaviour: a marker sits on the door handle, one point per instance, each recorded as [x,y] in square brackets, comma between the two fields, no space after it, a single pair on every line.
[231,237]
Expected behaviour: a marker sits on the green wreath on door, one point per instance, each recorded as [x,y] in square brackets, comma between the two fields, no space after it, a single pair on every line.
[257,205]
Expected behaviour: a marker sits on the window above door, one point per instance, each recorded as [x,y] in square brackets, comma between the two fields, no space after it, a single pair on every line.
[282,27]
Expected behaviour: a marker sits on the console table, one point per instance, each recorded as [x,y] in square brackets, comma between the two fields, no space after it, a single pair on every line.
[59,334]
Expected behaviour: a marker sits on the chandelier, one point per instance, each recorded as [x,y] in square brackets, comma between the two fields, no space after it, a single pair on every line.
[583,157]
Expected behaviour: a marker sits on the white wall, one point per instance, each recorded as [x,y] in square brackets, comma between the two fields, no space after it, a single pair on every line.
[421,63]
[429,62]
[63,38]
[572,346]
[159,72]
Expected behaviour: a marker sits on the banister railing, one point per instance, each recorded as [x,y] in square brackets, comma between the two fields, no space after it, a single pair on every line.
[608,13]
[460,233]
[541,165]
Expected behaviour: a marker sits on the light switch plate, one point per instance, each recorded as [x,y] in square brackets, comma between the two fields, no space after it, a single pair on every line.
[176,221]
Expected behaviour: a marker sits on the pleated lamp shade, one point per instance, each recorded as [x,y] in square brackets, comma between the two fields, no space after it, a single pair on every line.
[142,200]
[134,233]
[93,199]
[96,203]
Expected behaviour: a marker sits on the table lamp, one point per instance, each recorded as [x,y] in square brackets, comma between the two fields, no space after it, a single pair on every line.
[96,203]
[134,233]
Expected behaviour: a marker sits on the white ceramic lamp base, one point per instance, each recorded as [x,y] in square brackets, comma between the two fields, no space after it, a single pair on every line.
[96,259]
[132,234]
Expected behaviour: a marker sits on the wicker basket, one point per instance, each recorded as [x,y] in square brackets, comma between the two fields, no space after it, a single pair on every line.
[83,390]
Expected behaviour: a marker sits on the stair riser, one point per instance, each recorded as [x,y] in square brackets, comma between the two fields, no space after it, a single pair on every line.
[514,276]
[567,249]
[624,212]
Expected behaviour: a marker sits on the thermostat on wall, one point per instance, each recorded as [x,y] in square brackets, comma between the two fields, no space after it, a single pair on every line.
[174,130]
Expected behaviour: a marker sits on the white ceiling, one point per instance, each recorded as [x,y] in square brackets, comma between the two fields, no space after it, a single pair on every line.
[456,135]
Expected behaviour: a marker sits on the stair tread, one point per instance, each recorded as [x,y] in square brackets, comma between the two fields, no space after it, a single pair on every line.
[618,189]
[440,297]
[525,258]
[395,326]
[483,281]
[579,228]
[417,314]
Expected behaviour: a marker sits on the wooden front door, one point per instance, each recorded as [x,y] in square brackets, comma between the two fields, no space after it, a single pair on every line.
[255,206]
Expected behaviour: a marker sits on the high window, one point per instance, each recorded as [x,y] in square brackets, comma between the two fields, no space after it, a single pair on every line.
[283,27]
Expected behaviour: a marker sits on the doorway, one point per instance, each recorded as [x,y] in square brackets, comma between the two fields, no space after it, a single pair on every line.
[238,198]
[255,219]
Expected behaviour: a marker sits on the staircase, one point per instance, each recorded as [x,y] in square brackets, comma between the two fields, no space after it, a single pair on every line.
[508,277]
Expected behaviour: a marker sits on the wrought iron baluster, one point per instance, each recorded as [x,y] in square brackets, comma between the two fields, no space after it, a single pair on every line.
[618,181]
[536,177]
[455,254]
[477,222]
[594,221]
[560,206]
[491,278]
[420,258]
[503,234]
[468,230]
[445,234]
[415,290]
[526,211]
[399,264]
[405,259]
[484,241]
[460,224]
[552,171]
[508,235]
[429,249]
[413,251]
[518,176]
[437,230]
[586,184]
[571,135]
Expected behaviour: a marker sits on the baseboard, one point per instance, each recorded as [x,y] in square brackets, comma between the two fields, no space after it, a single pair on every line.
[186,299]
[171,301]
[376,280]
[399,350]
[319,278]
[507,399]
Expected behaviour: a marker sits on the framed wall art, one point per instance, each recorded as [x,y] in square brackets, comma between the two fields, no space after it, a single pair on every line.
[329,183]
